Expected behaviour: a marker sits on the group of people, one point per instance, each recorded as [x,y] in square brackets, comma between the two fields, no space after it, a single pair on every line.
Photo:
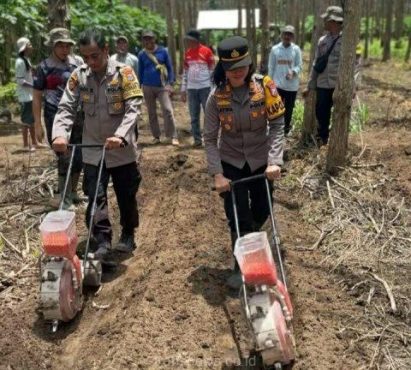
[246,115]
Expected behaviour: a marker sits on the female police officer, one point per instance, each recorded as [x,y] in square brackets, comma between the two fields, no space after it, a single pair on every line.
[243,135]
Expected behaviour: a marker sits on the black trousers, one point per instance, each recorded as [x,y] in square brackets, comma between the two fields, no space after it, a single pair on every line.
[323,112]
[288,98]
[126,180]
[252,204]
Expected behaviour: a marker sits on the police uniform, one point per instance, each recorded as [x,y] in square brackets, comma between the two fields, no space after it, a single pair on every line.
[243,133]
[324,83]
[110,108]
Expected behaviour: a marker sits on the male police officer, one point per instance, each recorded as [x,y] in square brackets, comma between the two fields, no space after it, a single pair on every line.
[110,95]
[323,77]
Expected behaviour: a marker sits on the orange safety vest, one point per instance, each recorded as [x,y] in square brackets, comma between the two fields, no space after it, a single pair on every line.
[264,101]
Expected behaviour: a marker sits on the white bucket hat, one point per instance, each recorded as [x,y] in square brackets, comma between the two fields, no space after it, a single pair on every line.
[22,43]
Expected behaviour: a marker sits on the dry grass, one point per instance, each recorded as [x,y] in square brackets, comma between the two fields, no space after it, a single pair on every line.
[365,237]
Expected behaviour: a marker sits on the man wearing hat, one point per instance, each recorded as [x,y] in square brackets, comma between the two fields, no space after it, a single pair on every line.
[123,56]
[156,77]
[50,80]
[323,77]
[284,67]
[111,98]
[198,68]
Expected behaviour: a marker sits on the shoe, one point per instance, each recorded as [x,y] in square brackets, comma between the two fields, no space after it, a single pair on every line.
[126,243]
[156,141]
[197,144]
[102,250]
[78,199]
[175,142]
[29,149]
[41,146]
[235,281]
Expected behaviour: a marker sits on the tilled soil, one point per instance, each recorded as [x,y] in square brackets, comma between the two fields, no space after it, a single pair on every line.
[168,306]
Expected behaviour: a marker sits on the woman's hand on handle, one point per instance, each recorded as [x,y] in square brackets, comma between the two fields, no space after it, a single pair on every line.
[273,172]
[221,183]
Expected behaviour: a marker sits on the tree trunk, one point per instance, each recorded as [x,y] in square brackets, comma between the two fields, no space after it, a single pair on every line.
[58,14]
[195,13]
[386,55]
[379,12]
[169,4]
[181,31]
[8,51]
[342,97]
[310,122]
[289,11]
[367,28]
[240,18]
[408,52]
[399,19]
[252,37]
[265,35]
[301,40]
[249,25]
[296,20]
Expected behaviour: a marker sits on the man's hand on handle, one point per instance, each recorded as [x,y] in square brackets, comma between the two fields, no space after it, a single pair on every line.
[273,172]
[221,183]
[114,142]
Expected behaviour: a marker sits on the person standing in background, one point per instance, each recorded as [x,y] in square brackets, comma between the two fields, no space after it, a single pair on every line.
[50,80]
[196,85]
[284,67]
[123,56]
[24,91]
[156,77]
[323,76]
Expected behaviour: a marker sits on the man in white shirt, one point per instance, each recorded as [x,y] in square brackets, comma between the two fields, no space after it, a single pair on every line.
[123,56]
[284,67]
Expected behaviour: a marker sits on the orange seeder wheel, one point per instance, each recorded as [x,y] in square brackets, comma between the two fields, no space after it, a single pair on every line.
[68,295]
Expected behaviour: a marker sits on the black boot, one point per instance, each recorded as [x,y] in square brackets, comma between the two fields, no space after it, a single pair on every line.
[75,197]
[102,247]
[126,243]
[234,281]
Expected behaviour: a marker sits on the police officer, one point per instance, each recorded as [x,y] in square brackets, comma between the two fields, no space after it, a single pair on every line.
[323,77]
[243,136]
[111,97]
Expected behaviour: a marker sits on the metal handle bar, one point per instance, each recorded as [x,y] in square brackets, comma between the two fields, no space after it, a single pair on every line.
[248,179]
[93,207]
[85,145]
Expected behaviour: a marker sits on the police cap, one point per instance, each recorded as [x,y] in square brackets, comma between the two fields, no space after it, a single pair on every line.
[233,53]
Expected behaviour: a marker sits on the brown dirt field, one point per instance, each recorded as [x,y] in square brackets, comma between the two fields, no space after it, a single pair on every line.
[168,305]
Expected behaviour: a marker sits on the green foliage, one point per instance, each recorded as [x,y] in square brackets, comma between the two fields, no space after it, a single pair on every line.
[398,49]
[359,117]
[298,115]
[115,18]
[7,93]
[25,16]
[309,24]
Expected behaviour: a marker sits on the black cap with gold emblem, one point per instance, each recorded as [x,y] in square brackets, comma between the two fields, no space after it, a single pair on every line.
[233,53]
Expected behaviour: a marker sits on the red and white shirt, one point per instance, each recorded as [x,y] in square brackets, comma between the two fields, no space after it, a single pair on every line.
[198,67]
